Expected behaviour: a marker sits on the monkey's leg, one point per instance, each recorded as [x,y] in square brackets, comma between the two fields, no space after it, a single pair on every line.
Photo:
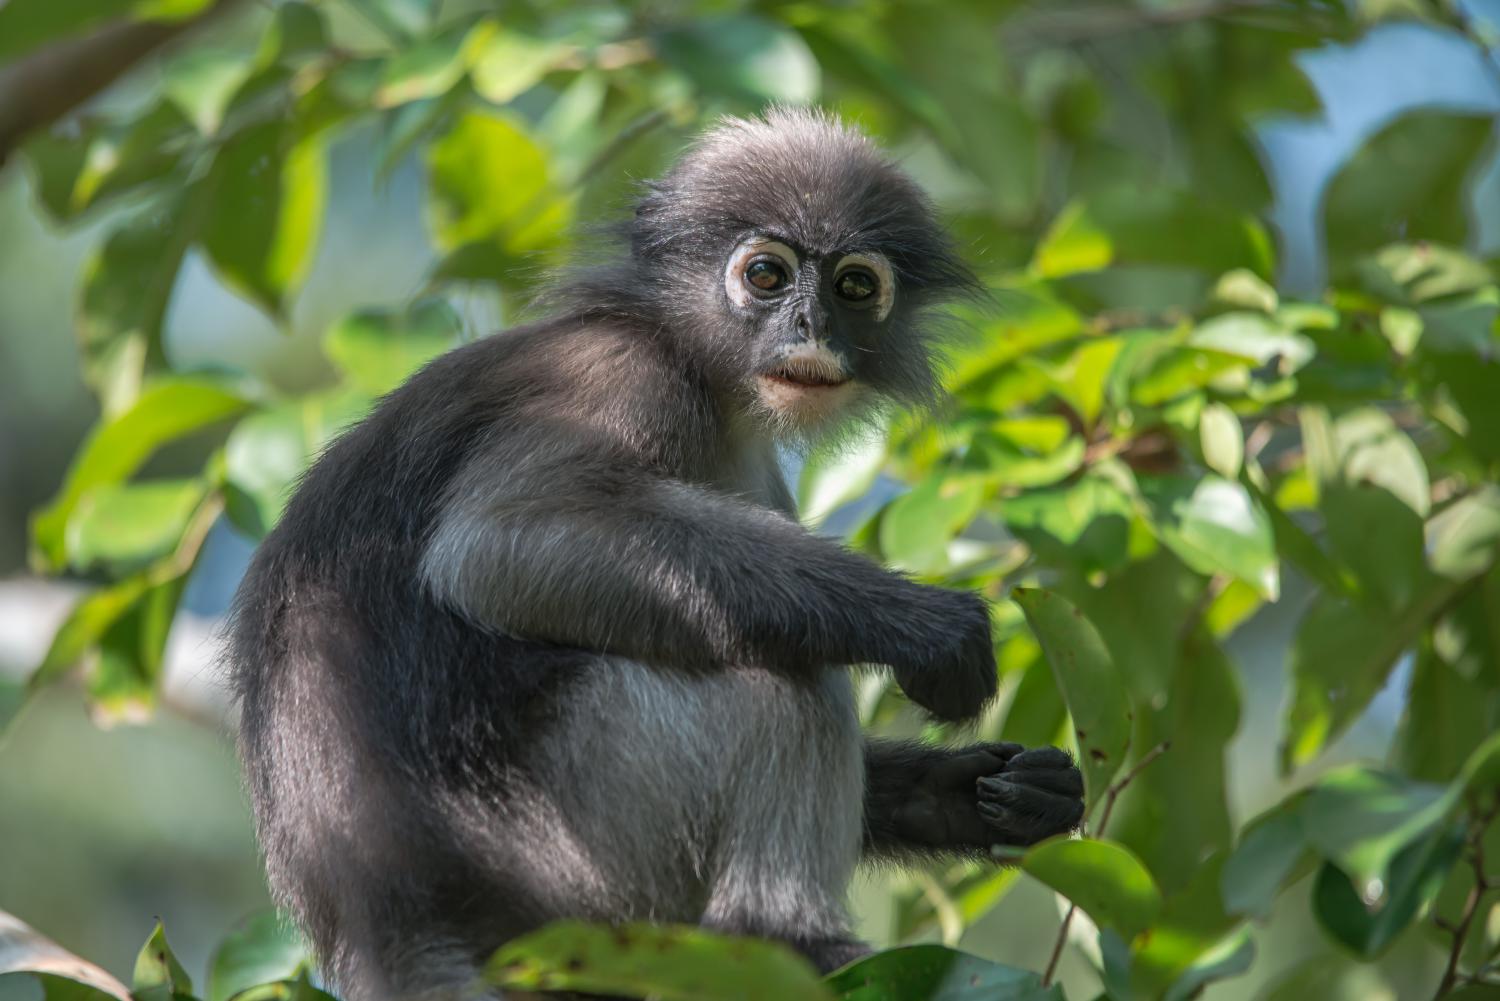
[790,833]
[924,800]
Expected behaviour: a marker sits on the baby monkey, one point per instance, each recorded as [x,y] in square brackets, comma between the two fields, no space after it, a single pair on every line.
[542,638]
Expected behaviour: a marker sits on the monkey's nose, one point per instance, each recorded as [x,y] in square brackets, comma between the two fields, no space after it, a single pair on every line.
[811,325]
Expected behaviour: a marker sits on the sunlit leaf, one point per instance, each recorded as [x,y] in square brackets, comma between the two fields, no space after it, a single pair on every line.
[266,213]
[126,525]
[507,64]
[1221,440]
[158,975]
[1104,879]
[1215,527]
[664,961]
[917,526]
[164,412]
[831,478]
[201,80]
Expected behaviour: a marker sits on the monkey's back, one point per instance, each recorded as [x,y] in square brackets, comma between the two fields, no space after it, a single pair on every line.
[371,715]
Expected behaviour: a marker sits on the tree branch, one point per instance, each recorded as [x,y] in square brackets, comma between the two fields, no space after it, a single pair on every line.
[1478,825]
[40,88]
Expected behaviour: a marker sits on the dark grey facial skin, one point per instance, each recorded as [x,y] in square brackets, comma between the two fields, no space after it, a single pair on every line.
[542,638]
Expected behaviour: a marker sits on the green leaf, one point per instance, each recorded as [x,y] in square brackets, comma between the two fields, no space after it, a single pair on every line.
[201,79]
[1372,449]
[1215,526]
[1256,337]
[670,962]
[1269,853]
[1089,682]
[744,57]
[1408,182]
[127,525]
[85,626]
[266,214]
[1329,978]
[158,975]
[1374,533]
[1109,883]
[1155,226]
[26,25]
[431,67]
[1004,454]
[124,679]
[1369,925]
[935,973]
[264,947]
[1085,524]
[1222,441]
[917,526]
[268,450]
[492,191]
[403,19]
[62,975]
[508,64]
[1361,819]
[166,411]
[108,159]
[832,477]
[1463,540]
[378,349]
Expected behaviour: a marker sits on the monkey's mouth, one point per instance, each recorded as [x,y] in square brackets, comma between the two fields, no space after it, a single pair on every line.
[806,373]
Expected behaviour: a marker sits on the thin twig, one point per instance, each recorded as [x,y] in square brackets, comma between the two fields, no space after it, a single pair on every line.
[1478,825]
[1110,795]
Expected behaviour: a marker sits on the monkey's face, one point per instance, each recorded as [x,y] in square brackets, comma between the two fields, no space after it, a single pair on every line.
[810,316]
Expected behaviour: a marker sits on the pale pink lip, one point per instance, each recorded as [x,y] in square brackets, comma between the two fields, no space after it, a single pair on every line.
[806,376]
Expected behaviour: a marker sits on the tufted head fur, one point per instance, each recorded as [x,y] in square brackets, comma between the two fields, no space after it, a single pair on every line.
[792,260]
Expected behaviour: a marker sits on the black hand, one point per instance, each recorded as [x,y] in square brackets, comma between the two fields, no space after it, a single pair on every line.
[1037,794]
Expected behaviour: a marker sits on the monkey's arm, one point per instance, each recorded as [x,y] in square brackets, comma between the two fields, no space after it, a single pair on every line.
[670,573]
[922,800]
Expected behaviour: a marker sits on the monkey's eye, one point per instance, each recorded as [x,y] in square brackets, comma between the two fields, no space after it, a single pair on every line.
[855,285]
[765,275]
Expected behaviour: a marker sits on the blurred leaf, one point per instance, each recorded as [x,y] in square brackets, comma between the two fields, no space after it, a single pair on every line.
[1446,717]
[832,478]
[1012,461]
[123,681]
[744,57]
[62,975]
[107,158]
[1414,273]
[1230,958]
[378,349]
[1084,524]
[508,64]
[402,19]
[1215,527]
[491,191]
[1254,336]
[26,25]
[1361,819]
[1331,979]
[85,626]
[1089,682]
[1172,372]
[1266,858]
[1379,538]
[164,412]
[1221,440]
[1463,540]
[298,31]
[1408,183]
[1152,227]
[262,948]
[285,990]
[432,66]
[1414,879]
[268,450]
[123,298]
[1372,449]
[201,80]
[158,975]
[664,961]
[266,213]
[935,973]
[917,526]
[127,525]
[1104,879]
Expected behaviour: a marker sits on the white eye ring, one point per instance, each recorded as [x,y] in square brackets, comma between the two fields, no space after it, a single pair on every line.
[876,264]
[756,246]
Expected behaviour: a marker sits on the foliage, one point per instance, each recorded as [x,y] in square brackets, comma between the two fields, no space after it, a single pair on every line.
[1149,438]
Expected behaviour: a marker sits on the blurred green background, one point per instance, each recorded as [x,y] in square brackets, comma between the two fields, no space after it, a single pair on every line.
[1237,387]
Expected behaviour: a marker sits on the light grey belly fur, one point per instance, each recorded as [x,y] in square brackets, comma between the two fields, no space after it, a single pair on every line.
[716,798]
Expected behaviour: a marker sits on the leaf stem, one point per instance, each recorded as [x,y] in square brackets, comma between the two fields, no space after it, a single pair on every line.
[1110,795]
[1478,825]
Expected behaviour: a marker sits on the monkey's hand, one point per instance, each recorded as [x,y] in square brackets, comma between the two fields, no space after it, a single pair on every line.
[948,668]
[991,794]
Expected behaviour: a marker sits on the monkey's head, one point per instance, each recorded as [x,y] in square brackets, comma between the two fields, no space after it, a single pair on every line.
[801,264]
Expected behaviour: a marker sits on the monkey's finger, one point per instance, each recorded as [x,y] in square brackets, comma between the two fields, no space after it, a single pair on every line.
[1040,757]
[1064,781]
[1036,813]
[970,763]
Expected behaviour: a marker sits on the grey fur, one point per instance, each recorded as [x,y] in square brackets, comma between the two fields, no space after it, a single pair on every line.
[541,636]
